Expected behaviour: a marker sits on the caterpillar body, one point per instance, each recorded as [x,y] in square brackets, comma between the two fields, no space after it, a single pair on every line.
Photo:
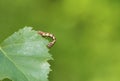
[46,34]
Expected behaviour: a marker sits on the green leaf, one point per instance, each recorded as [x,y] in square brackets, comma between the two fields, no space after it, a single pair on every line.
[24,56]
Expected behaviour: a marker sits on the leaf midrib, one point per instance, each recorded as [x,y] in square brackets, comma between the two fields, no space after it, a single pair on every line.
[5,54]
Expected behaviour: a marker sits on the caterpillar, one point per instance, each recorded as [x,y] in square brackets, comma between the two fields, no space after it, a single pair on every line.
[46,34]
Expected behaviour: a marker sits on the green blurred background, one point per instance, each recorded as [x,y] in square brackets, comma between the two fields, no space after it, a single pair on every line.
[87,32]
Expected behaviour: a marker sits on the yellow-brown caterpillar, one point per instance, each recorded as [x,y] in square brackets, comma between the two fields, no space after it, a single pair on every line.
[46,34]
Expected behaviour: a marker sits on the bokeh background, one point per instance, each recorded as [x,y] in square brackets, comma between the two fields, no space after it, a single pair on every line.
[87,32]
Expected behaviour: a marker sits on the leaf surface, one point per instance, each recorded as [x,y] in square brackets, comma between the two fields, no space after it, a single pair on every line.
[24,56]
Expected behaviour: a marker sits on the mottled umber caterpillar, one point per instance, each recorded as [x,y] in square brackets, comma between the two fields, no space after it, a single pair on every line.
[46,34]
